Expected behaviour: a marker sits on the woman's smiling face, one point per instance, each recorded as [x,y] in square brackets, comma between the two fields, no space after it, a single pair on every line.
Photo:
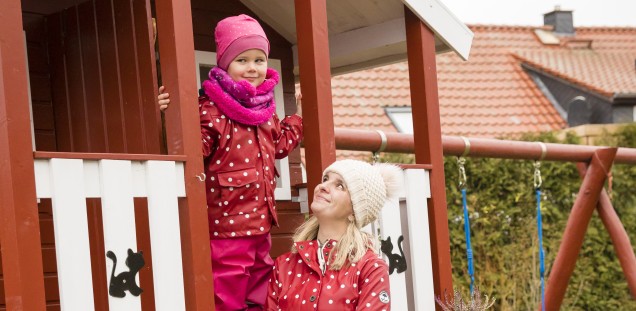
[331,198]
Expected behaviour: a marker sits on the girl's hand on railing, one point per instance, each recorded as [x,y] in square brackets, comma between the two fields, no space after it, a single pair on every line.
[299,107]
[163,98]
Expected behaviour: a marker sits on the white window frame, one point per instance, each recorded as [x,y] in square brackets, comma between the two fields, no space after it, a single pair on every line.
[390,111]
[283,187]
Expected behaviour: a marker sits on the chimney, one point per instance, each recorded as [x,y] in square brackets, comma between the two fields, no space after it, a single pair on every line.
[560,20]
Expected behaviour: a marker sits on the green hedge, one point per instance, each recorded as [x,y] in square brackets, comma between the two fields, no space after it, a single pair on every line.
[502,207]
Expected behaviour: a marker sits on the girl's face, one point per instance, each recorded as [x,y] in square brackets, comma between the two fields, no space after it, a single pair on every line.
[250,65]
[331,199]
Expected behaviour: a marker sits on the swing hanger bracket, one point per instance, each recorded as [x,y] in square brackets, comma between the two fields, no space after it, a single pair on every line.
[537,166]
[461,160]
[383,143]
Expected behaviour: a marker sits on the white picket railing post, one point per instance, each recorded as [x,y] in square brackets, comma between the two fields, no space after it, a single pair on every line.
[118,216]
[411,289]
[72,247]
[163,214]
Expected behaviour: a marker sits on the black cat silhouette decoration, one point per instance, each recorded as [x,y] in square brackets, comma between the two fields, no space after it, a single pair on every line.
[396,261]
[125,281]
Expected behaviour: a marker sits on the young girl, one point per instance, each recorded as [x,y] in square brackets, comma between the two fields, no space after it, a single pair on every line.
[332,265]
[242,136]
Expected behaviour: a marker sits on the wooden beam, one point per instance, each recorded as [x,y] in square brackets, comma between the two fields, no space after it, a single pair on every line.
[19,219]
[174,27]
[315,83]
[620,238]
[575,229]
[427,136]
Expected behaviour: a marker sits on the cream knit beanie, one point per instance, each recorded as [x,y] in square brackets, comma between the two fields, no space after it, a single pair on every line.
[370,186]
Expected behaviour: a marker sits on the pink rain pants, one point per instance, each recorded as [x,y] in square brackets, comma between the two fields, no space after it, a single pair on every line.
[241,269]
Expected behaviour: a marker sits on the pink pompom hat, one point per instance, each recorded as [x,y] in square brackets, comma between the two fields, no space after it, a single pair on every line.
[235,35]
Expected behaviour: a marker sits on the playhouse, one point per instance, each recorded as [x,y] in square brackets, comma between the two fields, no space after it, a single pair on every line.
[91,171]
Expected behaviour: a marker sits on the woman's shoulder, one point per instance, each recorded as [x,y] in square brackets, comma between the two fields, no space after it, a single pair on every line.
[371,260]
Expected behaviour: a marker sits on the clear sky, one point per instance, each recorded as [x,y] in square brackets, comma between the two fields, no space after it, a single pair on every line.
[530,12]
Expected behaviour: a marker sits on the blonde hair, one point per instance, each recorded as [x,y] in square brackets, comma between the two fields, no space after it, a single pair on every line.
[352,246]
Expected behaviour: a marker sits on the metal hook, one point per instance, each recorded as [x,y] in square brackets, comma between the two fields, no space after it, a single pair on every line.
[201,178]
[462,172]
[461,161]
[537,175]
[537,166]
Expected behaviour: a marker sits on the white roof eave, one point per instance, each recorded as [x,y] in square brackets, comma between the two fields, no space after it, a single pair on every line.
[446,26]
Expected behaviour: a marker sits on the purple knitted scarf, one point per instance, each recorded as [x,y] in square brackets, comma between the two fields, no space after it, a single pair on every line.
[239,100]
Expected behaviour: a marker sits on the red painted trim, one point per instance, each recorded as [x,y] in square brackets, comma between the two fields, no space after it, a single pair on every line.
[579,218]
[19,222]
[315,81]
[98,260]
[427,136]
[174,27]
[109,156]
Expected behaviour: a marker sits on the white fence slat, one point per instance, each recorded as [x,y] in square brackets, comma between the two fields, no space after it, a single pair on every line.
[390,227]
[417,242]
[71,233]
[163,214]
[91,179]
[118,216]
[179,174]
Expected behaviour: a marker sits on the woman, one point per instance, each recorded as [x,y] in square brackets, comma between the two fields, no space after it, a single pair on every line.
[332,264]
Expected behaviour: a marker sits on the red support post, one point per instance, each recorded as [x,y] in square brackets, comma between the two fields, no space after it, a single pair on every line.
[174,23]
[19,220]
[315,83]
[586,201]
[620,239]
[427,136]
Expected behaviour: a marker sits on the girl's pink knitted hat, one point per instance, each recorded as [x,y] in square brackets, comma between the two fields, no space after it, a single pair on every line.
[235,35]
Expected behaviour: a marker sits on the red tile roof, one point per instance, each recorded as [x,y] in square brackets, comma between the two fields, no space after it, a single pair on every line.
[606,73]
[490,95]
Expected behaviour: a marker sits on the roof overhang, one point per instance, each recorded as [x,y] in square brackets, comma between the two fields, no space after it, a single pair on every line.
[365,34]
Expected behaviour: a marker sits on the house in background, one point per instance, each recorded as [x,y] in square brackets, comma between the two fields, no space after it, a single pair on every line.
[518,79]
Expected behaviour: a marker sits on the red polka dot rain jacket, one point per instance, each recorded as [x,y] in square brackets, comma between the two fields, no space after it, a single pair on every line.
[240,170]
[298,282]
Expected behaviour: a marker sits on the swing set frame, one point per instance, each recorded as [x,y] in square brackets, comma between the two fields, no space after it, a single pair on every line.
[594,165]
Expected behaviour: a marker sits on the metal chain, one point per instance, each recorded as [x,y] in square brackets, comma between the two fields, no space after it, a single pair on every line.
[462,172]
[537,175]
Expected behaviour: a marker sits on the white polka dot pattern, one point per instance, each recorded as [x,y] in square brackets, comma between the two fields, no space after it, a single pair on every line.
[353,287]
[238,161]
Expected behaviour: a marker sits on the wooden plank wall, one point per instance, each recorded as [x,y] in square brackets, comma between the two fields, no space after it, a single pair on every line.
[103,78]
[40,76]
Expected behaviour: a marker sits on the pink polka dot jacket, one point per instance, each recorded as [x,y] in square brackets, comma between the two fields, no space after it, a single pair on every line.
[240,169]
[298,283]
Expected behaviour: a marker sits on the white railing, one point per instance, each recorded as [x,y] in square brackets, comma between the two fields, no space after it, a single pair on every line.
[412,276]
[69,182]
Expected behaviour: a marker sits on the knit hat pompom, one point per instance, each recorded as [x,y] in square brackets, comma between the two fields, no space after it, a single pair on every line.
[370,186]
